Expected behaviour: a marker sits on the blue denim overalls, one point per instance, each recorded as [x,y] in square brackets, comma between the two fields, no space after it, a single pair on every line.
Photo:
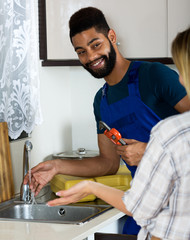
[133,119]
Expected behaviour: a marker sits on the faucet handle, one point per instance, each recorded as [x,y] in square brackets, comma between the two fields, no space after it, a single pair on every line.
[28,145]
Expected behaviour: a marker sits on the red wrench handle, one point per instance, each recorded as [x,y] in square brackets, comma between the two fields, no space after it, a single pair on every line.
[114,136]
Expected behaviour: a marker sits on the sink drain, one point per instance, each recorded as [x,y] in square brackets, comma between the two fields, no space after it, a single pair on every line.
[61,211]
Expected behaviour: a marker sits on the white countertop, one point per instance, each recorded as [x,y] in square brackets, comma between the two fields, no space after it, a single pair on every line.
[17,230]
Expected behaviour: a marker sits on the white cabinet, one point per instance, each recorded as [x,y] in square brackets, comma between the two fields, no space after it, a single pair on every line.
[114,227]
[140,25]
[144,28]
[178,19]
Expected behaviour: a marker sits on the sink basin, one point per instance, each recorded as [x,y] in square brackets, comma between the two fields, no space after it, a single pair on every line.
[73,214]
[15,210]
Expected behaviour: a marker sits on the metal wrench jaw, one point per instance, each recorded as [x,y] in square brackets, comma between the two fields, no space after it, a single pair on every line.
[111,133]
[103,125]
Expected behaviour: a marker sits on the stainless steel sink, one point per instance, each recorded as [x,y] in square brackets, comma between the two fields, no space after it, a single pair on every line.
[73,214]
[15,210]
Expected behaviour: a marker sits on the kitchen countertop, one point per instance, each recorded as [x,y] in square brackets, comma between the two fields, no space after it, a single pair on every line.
[20,230]
[17,230]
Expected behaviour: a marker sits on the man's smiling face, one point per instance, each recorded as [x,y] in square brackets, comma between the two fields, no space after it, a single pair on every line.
[95,52]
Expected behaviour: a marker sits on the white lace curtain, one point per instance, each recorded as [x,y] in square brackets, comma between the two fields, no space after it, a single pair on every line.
[19,61]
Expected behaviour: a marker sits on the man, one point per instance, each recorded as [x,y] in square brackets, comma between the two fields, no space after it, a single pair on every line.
[159,198]
[134,98]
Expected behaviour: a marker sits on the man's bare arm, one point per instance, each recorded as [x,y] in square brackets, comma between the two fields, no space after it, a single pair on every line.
[106,163]
[183,105]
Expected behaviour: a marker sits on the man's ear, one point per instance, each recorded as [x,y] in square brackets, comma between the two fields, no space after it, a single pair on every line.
[112,36]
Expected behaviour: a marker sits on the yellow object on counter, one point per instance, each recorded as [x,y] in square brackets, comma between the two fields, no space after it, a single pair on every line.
[63,182]
[121,181]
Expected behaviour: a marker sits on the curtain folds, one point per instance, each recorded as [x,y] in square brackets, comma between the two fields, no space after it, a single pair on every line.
[19,63]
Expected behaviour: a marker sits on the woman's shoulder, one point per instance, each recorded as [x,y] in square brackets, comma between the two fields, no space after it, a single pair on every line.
[172,126]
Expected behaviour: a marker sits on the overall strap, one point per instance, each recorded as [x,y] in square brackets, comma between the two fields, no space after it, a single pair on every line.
[133,86]
[104,90]
[133,73]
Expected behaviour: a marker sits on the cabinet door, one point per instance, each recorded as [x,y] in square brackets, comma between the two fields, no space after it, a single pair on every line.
[140,25]
[178,19]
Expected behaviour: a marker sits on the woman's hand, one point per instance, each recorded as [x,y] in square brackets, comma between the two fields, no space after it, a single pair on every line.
[84,188]
[72,195]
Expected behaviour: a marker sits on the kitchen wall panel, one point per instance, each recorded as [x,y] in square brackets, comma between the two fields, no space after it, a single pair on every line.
[178,19]
[141,26]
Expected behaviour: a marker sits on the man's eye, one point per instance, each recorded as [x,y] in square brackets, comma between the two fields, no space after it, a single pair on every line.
[80,52]
[96,45]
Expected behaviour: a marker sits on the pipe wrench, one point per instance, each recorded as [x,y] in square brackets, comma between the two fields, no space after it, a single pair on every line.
[111,133]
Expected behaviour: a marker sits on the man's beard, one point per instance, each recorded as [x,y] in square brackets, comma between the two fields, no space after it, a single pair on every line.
[108,66]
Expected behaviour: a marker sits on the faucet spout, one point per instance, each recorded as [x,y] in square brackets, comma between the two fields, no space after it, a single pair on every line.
[25,190]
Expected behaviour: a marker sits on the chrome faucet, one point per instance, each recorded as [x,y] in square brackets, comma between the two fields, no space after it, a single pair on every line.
[25,190]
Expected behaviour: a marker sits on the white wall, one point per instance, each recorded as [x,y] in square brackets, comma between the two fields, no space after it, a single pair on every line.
[67,95]
[83,88]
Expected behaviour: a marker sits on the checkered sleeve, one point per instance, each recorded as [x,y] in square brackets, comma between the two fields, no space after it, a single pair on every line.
[151,185]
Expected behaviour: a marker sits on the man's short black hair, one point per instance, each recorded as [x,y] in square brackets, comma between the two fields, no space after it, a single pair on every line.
[87,18]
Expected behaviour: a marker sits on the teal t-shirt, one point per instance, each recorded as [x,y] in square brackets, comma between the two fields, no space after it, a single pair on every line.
[159,89]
